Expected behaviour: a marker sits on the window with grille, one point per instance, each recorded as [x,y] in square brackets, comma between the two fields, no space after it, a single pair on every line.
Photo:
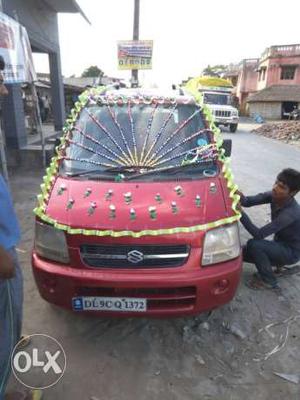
[287,72]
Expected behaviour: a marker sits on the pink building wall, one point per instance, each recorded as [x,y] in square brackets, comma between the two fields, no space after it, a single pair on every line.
[272,60]
[247,81]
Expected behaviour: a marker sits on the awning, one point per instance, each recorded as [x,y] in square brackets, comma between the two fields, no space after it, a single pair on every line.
[67,6]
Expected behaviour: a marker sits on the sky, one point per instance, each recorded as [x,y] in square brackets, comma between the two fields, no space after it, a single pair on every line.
[188,35]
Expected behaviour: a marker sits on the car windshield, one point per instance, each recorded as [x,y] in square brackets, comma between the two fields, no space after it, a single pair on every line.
[129,137]
[214,98]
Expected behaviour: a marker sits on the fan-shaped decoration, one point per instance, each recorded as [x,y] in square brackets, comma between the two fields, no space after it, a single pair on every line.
[150,133]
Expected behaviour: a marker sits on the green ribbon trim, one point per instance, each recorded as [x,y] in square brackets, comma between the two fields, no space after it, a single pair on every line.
[51,175]
[146,232]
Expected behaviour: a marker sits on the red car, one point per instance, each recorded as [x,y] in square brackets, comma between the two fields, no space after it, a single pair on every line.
[137,216]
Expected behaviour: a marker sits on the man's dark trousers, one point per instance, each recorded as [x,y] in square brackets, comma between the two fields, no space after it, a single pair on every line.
[265,254]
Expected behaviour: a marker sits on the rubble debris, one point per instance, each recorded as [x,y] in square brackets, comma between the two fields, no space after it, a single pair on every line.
[205,326]
[200,360]
[286,131]
[289,377]
[237,331]
[282,339]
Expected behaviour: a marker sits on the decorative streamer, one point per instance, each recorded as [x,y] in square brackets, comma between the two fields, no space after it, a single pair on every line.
[101,126]
[176,132]
[89,162]
[82,146]
[148,129]
[99,144]
[113,116]
[132,132]
[160,132]
[188,139]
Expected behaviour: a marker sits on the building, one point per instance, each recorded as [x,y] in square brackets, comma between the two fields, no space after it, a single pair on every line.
[279,65]
[247,81]
[40,19]
[275,102]
[277,74]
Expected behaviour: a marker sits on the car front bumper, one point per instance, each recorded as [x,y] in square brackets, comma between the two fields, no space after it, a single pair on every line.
[168,293]
[226,121]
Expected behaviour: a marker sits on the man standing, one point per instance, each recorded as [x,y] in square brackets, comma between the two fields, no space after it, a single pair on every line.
[284,249]
[11,283]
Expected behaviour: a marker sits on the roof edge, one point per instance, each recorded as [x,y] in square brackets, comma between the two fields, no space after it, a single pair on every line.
[81,12]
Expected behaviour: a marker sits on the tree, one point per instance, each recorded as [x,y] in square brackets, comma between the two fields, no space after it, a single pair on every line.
[92,71]
[215,70]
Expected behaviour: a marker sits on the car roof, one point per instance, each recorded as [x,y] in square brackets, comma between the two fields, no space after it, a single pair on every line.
[178,95]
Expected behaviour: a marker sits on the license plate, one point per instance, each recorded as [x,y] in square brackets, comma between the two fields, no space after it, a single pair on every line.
[109,304]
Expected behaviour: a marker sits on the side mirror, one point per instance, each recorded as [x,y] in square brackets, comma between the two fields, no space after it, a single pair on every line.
[57,142]
[227,146]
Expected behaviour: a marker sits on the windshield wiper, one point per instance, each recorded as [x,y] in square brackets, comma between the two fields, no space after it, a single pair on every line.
[119,168]
[173,169]
[83,173]
[122,168]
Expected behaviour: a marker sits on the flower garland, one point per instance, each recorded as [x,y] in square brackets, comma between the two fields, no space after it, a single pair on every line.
[192,87]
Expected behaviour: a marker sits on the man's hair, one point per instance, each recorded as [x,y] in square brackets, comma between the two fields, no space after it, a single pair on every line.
[291,178]
[2,63]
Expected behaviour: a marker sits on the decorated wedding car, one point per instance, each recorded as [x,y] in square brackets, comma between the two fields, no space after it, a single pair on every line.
[137,215]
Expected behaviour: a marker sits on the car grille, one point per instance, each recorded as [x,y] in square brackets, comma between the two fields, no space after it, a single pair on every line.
[133,257]
[221,113]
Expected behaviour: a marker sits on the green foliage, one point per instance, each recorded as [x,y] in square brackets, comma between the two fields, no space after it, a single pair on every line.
[92,71]
[215,70]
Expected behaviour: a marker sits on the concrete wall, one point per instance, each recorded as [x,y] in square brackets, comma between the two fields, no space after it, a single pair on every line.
[273,59]
[268,110]
[247,79]
[274,71]
[247,82]
[262,83]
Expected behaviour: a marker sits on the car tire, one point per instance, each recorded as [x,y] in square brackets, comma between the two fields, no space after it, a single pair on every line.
[233,128]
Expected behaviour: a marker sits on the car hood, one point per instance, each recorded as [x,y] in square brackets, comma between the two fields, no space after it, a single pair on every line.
[87,204]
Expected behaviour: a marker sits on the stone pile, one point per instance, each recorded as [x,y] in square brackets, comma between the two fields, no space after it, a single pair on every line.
[288,131]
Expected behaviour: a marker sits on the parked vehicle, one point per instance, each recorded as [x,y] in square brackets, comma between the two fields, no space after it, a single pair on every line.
[217,96]
[295,114]
[137,213]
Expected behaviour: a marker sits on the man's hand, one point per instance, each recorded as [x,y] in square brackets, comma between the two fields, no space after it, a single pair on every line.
[7,269]
[239,207]
[241,194]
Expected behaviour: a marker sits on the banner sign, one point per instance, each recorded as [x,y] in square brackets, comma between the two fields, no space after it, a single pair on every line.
[135,54]
[16,51]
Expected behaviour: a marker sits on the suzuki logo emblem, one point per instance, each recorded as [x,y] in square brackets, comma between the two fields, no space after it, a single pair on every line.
[135,256]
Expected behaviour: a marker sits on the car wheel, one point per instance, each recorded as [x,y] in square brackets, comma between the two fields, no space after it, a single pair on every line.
[233,128]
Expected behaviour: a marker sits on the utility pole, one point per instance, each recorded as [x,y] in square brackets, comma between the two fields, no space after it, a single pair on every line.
[136,26]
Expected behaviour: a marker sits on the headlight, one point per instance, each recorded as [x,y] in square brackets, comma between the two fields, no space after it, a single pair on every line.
[221,244]
[51,243]
[235,113]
